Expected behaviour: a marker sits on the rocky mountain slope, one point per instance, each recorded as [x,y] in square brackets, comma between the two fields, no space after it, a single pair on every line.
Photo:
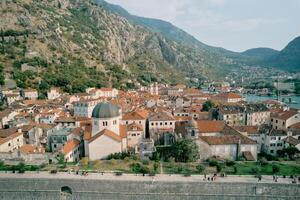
[81,37]
[76,44]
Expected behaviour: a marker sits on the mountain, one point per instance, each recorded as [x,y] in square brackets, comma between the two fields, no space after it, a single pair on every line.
[76,44]
[287,59]
[260,53]
[176,34]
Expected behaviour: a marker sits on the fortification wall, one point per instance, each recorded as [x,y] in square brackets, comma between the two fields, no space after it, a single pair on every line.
[46,189]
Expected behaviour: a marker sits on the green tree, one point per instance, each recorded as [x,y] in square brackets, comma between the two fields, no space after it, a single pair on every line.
[2,75]
[291,151]
[185,150]
[200,168]
[275,169]
[207,105]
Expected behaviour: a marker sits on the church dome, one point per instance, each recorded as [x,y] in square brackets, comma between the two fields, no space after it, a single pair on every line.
[105,110]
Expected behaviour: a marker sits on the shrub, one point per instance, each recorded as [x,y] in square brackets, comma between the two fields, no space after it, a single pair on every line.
[145,162]
[213,163]
[118,156]
[263,161]
[136,167]
[155,166]
[229,163]
[234,169]
[255,170]
[200,168]
[275,168]
[219,168]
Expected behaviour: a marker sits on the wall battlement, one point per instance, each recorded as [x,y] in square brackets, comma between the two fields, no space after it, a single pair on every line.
[64,189]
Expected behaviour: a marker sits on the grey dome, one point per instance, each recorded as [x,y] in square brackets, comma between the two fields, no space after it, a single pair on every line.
[105,110]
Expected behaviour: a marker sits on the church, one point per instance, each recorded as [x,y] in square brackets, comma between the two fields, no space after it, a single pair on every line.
[108,136]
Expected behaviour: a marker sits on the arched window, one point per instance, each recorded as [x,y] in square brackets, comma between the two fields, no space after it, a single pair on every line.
[66,190]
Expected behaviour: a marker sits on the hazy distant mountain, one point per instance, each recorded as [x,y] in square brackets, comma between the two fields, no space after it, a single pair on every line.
[260,53]
[288,59]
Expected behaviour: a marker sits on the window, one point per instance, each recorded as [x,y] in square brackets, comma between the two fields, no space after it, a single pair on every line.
[161,123]
[273,138]
[276,121]
[171,123]
[193,133]
[283,123]
[9,144]
[272,144]
[166,123]
[152,124]
[279,144]
[272,151]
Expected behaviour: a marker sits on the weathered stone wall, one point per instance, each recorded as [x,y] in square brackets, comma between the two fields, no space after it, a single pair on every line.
[44,189]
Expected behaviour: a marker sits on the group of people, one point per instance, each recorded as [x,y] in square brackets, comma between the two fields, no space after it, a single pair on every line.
[211,178]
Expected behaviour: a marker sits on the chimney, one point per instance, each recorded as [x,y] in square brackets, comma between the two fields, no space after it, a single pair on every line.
[19,130]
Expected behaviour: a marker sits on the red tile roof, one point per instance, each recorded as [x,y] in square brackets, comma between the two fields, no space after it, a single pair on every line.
[69,146]
[209,126]
[108,133]
[225,140]
[284,115]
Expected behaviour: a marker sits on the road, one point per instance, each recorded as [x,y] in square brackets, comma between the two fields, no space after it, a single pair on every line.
[133,177]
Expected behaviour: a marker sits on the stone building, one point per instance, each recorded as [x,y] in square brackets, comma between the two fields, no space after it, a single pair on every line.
[107,136]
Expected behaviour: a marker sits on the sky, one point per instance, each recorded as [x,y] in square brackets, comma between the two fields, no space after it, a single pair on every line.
[236,25]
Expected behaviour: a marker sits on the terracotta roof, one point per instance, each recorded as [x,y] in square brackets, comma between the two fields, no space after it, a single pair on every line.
[134,127]
[295,126]
[144,113]
[250,130]
[248,156]
[6,132]
[220,140]
[108,133]
[284,115]
[10,137]
[291,140]
[209,126]
[229,95]
[226,140]
[123,131]
[161,116]
[133,116]
[69,146]
[30,148]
